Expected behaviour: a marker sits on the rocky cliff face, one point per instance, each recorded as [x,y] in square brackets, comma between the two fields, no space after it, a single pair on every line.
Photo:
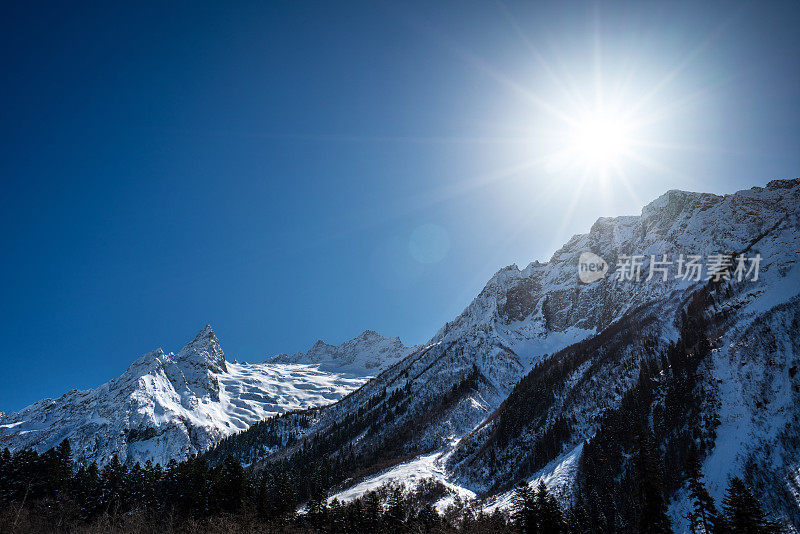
[548,297]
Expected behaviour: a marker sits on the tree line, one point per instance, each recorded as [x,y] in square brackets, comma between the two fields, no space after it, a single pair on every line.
[48,492]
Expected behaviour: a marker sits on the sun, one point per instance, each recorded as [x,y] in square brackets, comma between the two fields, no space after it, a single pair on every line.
[599,140]
[594,143]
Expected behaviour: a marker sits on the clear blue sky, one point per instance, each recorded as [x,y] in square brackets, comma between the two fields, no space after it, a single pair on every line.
[293,171]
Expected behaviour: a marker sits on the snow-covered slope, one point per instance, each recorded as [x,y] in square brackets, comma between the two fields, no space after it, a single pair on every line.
[365,355]
[750,384]
[448,396]
[168,406]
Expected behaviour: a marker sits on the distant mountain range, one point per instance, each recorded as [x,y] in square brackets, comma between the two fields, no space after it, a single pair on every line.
[365,355]
[542,376]
[167,406]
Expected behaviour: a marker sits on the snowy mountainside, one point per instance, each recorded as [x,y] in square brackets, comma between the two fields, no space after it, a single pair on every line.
[586,342]
[168,406]
[365,355]
[754,398]
[747,419]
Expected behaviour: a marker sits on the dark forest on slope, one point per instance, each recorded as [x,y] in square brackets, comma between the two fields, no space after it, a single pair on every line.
[49,493]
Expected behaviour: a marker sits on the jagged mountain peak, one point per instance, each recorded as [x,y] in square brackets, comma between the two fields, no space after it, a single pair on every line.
[206,332]
[205,338]
[366,354]
[204,350]
[370,334]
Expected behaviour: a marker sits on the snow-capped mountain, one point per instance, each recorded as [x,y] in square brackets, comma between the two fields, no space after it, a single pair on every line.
[542,376]
[365,355]
[167,406]
[538,371]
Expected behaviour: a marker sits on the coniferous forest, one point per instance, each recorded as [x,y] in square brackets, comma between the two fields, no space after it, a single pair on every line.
[48,492]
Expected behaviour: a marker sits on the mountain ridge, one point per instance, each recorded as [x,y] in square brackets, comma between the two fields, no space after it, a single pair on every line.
[166,406]
[435,398]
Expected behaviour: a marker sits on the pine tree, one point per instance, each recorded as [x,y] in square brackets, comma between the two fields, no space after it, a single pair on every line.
[428,516]
[704,514]
[64,468]
[263,501]
[743,512]
[114,489]
[372,512]
[170,489]
[551,517]
[153,476]
[357,517]
[396,511]
[136,485]
[577,516]
[229,486]
[285,499]
[317,506]
[6,479]
[653,517]
[87,492]
[525,513]
[194,483]
[337,517]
